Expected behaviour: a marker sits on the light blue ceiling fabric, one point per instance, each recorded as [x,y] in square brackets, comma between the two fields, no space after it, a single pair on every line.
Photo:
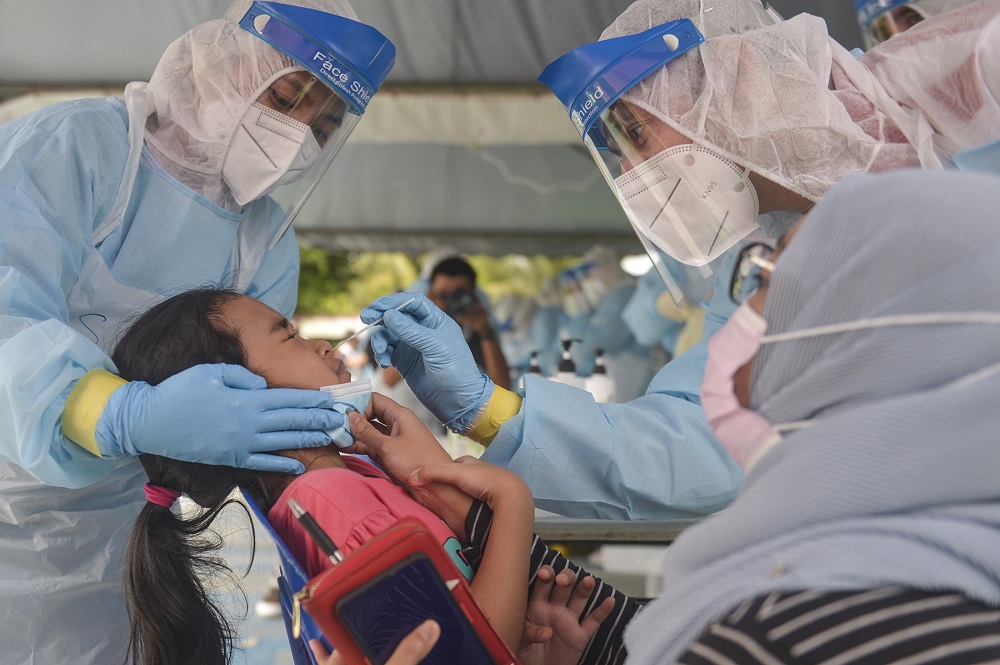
[897,478]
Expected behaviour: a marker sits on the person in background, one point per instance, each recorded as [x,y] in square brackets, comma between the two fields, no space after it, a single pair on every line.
[595,292]
[515,315]
[648,319]
[453,289]
[881,19]
[106,208]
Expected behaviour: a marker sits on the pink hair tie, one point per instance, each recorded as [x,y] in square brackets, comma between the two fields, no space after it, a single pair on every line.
[161,496]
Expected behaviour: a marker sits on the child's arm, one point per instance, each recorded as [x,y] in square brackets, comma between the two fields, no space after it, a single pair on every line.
[607,643]
[400,443]
[501,582]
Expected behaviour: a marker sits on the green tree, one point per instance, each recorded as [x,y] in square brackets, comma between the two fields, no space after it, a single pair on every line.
[325,280]
[345,282]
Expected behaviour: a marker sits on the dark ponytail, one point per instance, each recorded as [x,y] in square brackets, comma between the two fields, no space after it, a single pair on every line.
[173,619]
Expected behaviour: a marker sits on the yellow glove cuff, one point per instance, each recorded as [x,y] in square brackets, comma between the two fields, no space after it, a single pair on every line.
[501,407]
[85,405]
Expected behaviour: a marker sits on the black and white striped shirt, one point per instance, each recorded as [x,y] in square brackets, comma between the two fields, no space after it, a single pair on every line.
[890,625]
[607,645]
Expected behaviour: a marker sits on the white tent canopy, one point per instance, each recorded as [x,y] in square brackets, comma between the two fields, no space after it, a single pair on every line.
[460,146]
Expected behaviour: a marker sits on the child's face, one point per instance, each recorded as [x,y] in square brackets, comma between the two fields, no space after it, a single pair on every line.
[277,353]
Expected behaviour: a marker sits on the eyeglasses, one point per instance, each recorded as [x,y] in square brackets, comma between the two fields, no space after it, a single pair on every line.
[747,274]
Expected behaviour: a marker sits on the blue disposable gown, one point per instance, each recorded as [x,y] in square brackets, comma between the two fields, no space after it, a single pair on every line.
[651,458]
[61,542]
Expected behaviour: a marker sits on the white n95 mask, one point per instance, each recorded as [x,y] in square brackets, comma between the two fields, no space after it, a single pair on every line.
[689,202]
[268,149]
[347,397]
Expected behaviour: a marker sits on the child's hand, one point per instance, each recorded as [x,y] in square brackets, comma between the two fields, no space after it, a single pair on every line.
[554,609]
[480,480]
[399,442]
[411,650]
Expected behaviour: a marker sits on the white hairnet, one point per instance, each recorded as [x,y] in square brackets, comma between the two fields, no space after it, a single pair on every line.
[204,84]
[775,98]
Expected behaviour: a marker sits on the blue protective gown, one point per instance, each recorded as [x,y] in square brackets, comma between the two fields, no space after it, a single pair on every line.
[651,458]
[61,548]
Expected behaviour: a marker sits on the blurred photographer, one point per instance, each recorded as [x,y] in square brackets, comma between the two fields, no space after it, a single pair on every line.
[453,290]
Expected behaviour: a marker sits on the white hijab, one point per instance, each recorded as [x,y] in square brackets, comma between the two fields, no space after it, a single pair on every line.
[896,480]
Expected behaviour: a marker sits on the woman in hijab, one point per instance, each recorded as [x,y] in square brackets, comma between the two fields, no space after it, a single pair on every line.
[858,387]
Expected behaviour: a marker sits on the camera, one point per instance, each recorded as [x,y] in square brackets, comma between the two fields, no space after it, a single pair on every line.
[459,303]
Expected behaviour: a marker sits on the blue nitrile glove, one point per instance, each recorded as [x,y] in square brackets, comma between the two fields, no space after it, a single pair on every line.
[430,351]
[215,414]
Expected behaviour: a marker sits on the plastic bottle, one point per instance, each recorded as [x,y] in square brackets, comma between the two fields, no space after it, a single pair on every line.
[533,366]
[566,373]
[599,384]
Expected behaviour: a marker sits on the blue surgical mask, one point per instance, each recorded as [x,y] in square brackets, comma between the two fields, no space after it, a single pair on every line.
[347,397]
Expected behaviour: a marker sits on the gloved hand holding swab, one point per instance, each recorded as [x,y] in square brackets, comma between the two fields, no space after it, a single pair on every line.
[370,325]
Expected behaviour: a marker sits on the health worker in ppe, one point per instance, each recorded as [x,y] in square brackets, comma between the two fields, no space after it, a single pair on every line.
[514,315]
[879,20]
[649,324]
[107,208]
[715,124]
[595,293]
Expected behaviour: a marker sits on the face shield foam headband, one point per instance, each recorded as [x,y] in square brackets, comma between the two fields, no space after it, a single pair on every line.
[292,131]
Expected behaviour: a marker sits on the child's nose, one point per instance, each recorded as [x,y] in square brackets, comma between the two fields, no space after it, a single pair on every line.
[322,347]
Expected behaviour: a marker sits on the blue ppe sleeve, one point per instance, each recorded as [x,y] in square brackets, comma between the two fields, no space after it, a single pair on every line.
[651,458]
[60,169]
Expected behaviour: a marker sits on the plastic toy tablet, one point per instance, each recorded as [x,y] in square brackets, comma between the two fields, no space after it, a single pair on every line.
[384,589]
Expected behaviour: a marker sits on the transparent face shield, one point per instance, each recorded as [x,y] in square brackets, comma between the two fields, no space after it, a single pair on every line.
[292,131]
[879,22]
[287,141]
[688,205]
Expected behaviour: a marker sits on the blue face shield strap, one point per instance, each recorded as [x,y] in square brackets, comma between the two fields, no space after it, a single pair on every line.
[350,57]
[587,80]
[347,397]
